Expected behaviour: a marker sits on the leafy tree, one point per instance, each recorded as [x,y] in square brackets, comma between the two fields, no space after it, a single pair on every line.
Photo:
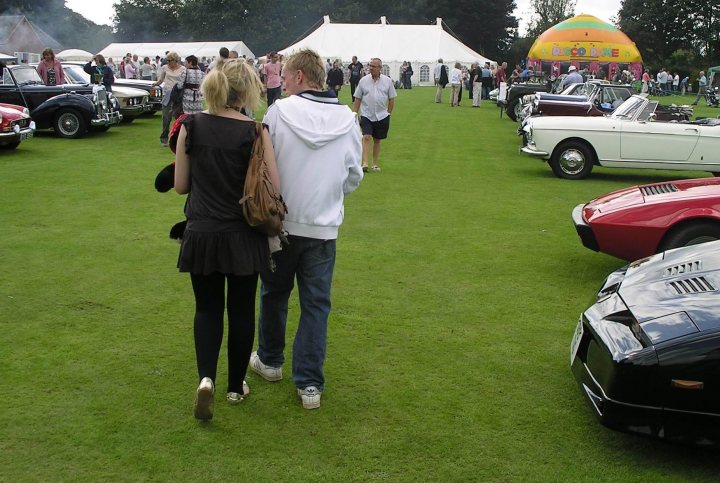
[549,13]
[146,20]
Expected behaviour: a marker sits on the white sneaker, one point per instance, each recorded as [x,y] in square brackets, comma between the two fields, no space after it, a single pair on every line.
[204,399]
[268,373]
[310,397]
[237,398]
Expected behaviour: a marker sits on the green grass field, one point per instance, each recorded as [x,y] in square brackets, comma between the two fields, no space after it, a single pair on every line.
[458,284]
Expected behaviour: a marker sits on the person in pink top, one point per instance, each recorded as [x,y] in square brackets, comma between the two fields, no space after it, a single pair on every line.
[50,69]
[129,69]
[273,84]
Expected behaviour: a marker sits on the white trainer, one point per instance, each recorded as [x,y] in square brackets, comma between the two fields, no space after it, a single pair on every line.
[310,397]
[237,398]
[268,373]
[204,399]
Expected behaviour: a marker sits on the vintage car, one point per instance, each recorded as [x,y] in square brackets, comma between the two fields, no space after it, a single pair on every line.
[516,92]
[16,125]
[69,110]
[589,99]
[646,354]
[636,222]
[154,93]
[639,134]
[132,102]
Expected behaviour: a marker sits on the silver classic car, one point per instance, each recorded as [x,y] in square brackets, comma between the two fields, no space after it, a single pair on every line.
[640,133]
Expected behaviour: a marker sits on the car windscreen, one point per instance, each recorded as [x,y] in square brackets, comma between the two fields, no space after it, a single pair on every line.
[26,75]
[76,74]
[629,108]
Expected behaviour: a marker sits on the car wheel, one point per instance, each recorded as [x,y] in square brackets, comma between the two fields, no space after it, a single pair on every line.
[69,124]
[514,109]
[127,120]
[715,173]
[692,234]
[572,160]
[10,146]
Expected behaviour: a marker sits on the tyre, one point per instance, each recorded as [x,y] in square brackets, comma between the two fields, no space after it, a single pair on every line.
[691,234]
[572,160]
[69,123]
[716,173]
[514,109]
[10,146]
[127,120]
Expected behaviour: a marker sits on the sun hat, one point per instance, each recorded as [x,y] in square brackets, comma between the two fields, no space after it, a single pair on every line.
[572,68]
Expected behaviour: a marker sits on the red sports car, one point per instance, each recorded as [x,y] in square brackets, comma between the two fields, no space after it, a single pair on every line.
[636,222]
[15,125]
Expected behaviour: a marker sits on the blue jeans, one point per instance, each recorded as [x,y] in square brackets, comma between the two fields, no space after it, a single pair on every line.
[312,262]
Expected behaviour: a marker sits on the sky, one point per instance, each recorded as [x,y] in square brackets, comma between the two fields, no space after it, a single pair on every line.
[101,11]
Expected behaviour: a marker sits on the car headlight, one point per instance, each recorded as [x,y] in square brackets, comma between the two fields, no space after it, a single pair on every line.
[26,111]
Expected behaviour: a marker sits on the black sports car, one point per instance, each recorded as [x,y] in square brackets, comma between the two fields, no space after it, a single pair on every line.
[646,355]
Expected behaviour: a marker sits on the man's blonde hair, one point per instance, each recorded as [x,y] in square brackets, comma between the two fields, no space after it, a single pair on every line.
[311,65]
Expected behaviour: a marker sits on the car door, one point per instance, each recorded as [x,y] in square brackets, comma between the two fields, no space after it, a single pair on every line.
[707,149]
[9,91]
[653,144]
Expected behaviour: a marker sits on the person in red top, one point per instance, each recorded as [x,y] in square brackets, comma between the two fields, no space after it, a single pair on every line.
[501,76]
[50,69]
[645,81]
[272,71]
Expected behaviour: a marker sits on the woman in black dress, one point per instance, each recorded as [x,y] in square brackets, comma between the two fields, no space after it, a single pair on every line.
[219,248]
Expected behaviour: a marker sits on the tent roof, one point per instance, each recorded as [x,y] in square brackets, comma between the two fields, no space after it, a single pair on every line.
[391,43]
[584,38]
[74,54]
[199,49]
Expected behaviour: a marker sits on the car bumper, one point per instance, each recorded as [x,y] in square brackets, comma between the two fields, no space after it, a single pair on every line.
[19,135]
[533,151]
[108,119]
[132,111]
[584,230]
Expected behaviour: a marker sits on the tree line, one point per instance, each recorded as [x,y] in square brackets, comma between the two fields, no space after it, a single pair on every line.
[681,36]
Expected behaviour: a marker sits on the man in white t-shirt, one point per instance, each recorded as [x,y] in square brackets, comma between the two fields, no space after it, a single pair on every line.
[374,100]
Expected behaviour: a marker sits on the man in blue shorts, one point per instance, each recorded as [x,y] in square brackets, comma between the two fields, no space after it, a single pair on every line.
[375,100]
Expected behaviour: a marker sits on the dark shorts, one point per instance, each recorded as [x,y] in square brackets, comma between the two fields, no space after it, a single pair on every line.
[377,129]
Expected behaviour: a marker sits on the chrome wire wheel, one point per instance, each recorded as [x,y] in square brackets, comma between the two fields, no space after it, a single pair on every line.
[69,124]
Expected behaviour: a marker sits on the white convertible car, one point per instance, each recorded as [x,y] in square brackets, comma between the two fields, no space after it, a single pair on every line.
[638,134]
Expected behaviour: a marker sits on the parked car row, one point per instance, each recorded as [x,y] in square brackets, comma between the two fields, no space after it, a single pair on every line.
[646,354]
[70,110]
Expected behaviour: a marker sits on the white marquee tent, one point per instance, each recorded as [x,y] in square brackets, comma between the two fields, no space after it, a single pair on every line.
[421,45]
[198,49]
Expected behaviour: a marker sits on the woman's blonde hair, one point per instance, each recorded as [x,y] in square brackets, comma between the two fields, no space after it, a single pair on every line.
[233,83]
[173,56]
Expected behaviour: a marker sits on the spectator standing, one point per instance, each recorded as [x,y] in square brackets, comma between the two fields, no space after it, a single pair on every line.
[318,151]
[501,74]
[573,77]
[476,80]
[50,69]
[440,75]
[455,84]
[224,55]
[676,82]
[129,68]
[100,73]
[168,76]
[684,84]
[645,82]
[146,69]
[273,82]
[136,65]
[408,75]
[112,66]
[702,87]
[335,79]
[219,249]
[355,69]
[487,80]
[374,100]
[190,82]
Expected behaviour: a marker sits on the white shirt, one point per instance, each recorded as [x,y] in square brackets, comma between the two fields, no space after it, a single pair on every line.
[436,73]
[455,76]
[374,96]
[676,80]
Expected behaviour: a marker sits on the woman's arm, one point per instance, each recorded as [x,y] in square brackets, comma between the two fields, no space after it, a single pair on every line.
[182,164]
[269,158]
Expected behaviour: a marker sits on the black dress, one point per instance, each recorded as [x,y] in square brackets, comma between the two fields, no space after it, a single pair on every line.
[217,237]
